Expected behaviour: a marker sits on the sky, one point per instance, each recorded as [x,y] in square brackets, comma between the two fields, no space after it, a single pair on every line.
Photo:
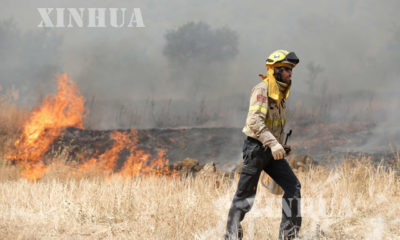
[346,48]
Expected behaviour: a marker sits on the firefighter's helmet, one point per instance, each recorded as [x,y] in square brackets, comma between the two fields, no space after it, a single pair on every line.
[282,57]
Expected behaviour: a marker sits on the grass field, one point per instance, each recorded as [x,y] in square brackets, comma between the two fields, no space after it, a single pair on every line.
[354,201]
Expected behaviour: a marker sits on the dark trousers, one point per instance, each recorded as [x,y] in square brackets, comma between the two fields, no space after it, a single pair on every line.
[256,159]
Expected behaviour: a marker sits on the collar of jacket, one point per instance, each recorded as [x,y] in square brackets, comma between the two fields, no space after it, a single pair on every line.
[273,89]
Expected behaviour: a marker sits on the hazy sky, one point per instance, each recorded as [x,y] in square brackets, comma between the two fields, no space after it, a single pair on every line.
[345,45]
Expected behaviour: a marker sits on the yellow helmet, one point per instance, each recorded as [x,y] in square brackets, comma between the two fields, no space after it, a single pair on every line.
[279,58]
[282,58]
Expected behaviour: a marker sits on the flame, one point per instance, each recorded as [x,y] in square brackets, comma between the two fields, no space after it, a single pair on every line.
[66,109]
[137,161]
[45,124]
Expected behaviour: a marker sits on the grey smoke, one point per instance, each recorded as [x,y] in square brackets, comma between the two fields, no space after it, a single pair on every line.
[199,43]
[199,58]
[349,53]
[28,60]
[314,70]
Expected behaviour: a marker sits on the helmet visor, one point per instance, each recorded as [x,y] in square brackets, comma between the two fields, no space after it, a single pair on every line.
[292,58]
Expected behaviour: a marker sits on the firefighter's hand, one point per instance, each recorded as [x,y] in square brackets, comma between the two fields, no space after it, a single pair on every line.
[288,150]
[278,152]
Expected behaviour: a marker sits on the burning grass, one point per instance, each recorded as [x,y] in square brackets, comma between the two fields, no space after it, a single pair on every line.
[66,108]
[89,200]
[356,200]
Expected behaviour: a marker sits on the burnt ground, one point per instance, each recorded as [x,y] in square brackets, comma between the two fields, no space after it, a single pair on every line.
[219,145]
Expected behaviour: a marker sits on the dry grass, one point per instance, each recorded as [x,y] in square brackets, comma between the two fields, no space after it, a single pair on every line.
[354,201]
[11,119]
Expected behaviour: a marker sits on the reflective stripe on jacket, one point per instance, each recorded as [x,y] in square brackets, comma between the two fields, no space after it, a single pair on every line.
[265,119]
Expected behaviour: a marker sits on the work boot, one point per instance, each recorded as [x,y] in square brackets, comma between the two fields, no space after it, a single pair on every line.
[232,236]
[288,232]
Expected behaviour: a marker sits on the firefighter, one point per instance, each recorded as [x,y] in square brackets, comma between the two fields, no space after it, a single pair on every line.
[263,150]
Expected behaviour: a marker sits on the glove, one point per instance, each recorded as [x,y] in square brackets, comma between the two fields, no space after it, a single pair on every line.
[288,149]
[278,152]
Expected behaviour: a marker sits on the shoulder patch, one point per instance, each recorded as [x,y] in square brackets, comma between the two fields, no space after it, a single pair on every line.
[261,98]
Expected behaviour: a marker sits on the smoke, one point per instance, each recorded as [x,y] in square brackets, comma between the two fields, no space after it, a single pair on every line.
[29,61]
[385,136]
[195,64]
[199,58]
[198,43]
[314,70]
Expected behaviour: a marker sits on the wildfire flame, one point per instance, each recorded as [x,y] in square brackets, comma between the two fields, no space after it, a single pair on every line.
[45,124]
[66,109]
[136,162]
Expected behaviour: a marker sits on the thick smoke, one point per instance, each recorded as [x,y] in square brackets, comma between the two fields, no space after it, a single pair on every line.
[195,64]
[199,43]
[199,57]
[29,61]
[314,70]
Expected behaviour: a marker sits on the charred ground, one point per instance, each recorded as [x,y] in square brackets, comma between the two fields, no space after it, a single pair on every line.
[219,145]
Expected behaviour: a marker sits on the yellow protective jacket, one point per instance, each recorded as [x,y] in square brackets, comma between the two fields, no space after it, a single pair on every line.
[266,118]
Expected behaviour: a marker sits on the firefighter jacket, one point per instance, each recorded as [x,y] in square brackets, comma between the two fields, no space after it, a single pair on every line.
[266,118]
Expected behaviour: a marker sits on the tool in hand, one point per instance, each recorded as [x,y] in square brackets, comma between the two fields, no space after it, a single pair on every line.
[287,147]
